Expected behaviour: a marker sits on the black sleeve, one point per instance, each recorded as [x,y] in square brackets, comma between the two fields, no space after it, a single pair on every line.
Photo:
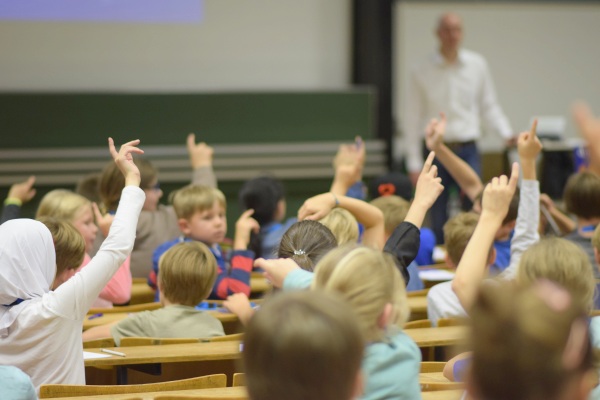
[404,246]
[10,211]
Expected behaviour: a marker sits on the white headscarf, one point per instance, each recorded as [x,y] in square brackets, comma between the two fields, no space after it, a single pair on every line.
[27,266]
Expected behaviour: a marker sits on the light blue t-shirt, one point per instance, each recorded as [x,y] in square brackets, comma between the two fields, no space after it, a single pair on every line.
[15,384]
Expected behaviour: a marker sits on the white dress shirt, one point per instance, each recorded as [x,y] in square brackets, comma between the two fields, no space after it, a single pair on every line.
[464,90]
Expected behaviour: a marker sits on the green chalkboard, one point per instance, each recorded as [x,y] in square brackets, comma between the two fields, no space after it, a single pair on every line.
[86,119]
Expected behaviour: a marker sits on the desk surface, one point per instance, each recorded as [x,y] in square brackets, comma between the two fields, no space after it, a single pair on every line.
[418,304]
[442,395]
[224,393]
[115,317]
[431,337]
[168,353]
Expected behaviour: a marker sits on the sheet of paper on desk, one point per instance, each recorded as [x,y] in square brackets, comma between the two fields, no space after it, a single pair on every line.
[88,355]
[439,254]
[436,275]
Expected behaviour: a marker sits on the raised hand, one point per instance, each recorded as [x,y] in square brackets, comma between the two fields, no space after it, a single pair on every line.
[499,193]
[276,270]
[588,124]
[528,144]
[434,132]
[429,185]
[353,154]
[200,154]
[24,191]
[243,227]
[239,305]
[103,221]
[124,160]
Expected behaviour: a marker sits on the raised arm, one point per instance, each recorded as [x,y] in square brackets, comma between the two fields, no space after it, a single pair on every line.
[589,126]
[429,187]
[463,174]
[74,297]
[472,267]
[370,216]
[348,165]
[201,159]
[18,194]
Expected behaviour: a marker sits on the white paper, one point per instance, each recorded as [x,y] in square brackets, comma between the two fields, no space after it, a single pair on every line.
[88,355]
[436,275]
[439,254]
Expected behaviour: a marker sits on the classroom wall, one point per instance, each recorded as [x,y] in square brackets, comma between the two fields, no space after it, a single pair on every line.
[542,55]
[239,45]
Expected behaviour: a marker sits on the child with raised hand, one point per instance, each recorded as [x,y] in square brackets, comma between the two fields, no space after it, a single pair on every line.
[157,223]
[79,211]
[18,194]
[470,183]
[303,346]
[33,318]
[201,217]
[187,273]
[369,281]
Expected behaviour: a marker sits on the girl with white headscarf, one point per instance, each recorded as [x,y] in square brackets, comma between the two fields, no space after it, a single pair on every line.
[40,330]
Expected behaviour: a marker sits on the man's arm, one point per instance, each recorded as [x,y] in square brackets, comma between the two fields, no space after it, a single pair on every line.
[490,111]
[589,127]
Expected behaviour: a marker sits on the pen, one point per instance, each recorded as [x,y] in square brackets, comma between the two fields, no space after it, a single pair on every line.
[114,353]
[95,316]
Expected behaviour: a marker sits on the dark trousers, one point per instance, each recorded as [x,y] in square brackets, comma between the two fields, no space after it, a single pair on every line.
[439,212]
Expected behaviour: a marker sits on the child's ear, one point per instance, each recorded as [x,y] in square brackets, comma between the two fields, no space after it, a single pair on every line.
[280,210]
[385,316]
[184,226]
[449,262]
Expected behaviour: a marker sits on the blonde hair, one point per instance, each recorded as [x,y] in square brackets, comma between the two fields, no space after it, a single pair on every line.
[368,279]
[302,345]
[560,261]
[596,238]
[187,273]
[457,233]
[69,245]
[394,209]
[342,224]
[196,198]
[62,204]
[520,336]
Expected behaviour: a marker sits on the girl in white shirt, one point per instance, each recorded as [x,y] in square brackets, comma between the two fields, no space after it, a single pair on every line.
[40,330]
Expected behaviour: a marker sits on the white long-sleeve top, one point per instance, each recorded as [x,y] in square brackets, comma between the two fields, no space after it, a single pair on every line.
[45,338]
[464,90]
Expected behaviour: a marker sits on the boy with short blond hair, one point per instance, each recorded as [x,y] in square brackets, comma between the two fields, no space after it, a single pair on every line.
[187,273]
[201,217]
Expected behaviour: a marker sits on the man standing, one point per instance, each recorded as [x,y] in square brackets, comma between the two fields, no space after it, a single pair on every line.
[457,82]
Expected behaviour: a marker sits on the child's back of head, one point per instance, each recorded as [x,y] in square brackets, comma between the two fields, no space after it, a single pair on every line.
[560,261]
[306,242]
[530,343]
[187,273]
[394,209]
[343,225]
[263,195]
[61,204]
[111,182]
[457,233]
[303,345]
[369,280]
[69,247]
[582,195]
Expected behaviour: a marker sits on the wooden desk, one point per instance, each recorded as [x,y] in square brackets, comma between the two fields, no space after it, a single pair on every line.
[141,293]
[168,353]
[221,393]
[259,284]
[432,337]
[418,307]
[442,395]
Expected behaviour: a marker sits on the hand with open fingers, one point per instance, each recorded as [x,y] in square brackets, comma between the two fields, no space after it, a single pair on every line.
[528,144]
[124,160]
[23,191]
[103,221]
[276,270]
[239,305]
[588,124]
[350,154]
[317,207]
[434,132]
[429,185]
[499,193]
[201,154]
